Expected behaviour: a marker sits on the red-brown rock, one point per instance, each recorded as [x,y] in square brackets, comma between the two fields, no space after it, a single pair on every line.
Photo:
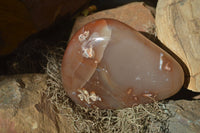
[110,65]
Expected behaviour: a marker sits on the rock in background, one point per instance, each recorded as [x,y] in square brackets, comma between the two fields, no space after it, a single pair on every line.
[178,27]
[185,116]
[135,14]
[21,18]
[24,107]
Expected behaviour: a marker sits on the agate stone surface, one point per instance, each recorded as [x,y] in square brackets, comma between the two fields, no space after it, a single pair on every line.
[110,65]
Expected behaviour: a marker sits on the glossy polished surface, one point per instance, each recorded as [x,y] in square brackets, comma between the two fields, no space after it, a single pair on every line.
[110,65]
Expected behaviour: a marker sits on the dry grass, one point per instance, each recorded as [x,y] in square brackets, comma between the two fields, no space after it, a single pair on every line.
[151,118]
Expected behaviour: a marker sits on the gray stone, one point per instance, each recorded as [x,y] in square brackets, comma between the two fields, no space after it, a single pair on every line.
[185,116]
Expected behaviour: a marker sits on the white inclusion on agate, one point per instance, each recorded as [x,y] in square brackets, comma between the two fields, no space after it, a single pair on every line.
[88,44]
[73,93]
[95,61]
[88,52]
[138,78]
[148,73]
[104,70]
[161,61]
[99,39]
[88,97]
[84,36]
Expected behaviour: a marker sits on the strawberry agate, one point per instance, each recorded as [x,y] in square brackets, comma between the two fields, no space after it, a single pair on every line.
[110,65]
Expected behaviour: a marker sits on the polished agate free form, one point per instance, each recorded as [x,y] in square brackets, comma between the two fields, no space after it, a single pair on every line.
[109,65]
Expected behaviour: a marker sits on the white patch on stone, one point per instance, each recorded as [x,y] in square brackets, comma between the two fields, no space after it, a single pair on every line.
[94,97]
[138,78]
[104,70]
[161,61]
[84,36]
[88,45]
[84,95]
[148,95]
[95,61]
[167,67]
[88,52]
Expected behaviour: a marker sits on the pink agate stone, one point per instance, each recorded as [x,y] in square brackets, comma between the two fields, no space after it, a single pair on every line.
[109,65]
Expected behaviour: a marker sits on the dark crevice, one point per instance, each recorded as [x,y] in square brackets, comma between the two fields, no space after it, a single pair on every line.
[29,57]
[108,4]
[184,94]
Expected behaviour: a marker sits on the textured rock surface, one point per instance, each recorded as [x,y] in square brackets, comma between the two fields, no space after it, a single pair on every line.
[134,14]
[185,116]
[178,26]
[23,107]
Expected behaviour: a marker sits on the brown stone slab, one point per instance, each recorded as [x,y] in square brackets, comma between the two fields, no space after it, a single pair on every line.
[135,14]
[178,26]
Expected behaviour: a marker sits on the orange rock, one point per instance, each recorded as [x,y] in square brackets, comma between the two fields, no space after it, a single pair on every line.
[110,65]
